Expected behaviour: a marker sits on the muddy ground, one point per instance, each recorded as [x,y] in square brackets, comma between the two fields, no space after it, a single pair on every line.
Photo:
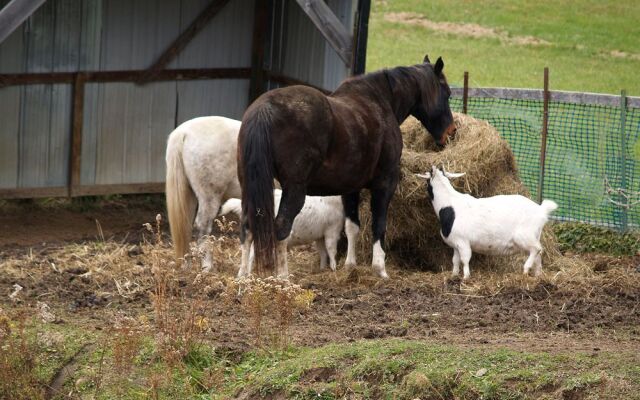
[62,260]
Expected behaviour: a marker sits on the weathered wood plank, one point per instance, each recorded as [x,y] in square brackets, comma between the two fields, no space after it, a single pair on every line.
[128,188]
[330,27]
[31,193]
[185,37]
[14,14]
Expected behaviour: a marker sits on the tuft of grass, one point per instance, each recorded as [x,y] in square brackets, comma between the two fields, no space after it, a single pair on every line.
[402,369]
[584,238]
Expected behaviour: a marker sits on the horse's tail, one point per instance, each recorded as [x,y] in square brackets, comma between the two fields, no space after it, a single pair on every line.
[181,201]
[257,188]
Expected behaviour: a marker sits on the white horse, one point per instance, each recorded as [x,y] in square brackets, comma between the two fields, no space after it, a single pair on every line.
[201,175]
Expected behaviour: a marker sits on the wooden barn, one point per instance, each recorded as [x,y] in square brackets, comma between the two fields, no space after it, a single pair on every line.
[90,89]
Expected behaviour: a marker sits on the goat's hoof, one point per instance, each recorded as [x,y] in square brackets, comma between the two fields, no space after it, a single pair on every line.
[349,265]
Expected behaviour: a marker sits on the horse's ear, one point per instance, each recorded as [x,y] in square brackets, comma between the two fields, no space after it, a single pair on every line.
[439,66]
[426,59]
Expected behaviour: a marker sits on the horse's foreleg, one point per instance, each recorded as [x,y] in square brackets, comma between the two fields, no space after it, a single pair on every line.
[350,202]
[380,199]
[290,205]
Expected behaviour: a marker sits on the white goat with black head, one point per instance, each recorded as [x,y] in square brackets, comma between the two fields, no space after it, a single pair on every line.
[498,225]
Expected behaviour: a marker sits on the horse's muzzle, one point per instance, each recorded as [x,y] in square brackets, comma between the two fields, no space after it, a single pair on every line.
[449,132]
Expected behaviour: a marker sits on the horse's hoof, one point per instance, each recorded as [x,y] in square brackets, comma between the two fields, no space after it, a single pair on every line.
[382,272]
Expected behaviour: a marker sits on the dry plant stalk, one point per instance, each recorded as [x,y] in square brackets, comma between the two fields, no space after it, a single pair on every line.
[19,358]
[127,338]
[270,304]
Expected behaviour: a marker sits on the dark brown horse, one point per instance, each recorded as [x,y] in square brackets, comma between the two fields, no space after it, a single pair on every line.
[333,145]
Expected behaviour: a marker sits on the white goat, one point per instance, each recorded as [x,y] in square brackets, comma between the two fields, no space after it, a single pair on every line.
[497,225]
[320,221]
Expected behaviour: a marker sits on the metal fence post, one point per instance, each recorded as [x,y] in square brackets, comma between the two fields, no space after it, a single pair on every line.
[465,92]
[543,142]
[623,158]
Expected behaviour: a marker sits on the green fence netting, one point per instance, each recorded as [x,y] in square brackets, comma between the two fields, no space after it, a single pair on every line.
[591,162]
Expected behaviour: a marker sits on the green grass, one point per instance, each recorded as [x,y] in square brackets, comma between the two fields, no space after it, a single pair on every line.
[378,369]
[582,35]
[583,238]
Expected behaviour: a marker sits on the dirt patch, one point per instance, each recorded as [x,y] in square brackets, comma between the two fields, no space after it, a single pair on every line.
[467,30]
[33,225]
[624,54]
[320,374]
[592,306]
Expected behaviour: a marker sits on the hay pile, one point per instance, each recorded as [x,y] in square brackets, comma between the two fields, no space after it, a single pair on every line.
[413,232]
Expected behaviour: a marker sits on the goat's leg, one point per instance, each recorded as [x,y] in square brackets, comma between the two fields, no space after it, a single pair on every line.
[456,262]
[534,252]
[538,263]
[323,253]
[350,203]
[465,256]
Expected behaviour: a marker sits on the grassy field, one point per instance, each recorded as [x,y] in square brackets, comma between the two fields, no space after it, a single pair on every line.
[365,369]
[588,45]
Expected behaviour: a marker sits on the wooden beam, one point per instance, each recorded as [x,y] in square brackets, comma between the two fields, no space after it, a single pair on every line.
[76,132]
[124,76]
[183,40]
[331,28]
[14,14]
[259,40]
[361,37]
[125,188]
[32,193]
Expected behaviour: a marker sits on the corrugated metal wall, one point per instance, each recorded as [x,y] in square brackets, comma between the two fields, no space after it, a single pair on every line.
[125,125]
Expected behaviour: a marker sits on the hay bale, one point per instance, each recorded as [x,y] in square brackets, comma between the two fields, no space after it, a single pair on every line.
[413,232]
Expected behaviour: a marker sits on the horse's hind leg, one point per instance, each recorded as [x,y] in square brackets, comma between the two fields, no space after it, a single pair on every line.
[246,240]
[322,251]
[380,199]
[290,205]
[350,202]
[207,212]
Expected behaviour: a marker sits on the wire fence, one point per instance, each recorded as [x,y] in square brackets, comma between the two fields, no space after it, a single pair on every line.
[592,158]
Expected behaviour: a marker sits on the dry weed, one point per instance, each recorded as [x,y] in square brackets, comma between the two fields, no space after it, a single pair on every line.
[270,305]
[19,359]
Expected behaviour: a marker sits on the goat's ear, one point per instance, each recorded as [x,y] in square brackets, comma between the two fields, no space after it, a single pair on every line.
[426,59]
[452,175]
[426,175]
